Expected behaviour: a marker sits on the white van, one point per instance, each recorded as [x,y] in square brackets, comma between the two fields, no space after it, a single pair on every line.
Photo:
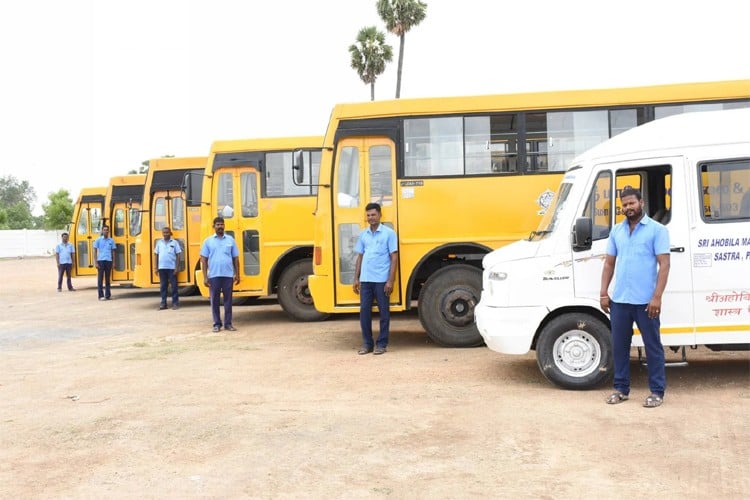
[694,173]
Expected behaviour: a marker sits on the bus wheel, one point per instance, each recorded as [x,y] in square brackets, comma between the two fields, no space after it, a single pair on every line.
[446,306]
[294,294]
[187,290]
[574,351]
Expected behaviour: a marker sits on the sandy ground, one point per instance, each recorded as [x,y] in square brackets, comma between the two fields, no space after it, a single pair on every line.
[119,400]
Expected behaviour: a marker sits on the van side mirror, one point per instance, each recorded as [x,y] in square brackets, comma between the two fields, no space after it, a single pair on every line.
[582,234]
[298,166]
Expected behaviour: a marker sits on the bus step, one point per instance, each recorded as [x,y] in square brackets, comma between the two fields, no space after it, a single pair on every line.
[683,362]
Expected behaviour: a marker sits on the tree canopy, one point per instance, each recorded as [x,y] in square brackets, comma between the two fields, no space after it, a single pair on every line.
[369,56]
[16,200]
[58,211]
[400,16]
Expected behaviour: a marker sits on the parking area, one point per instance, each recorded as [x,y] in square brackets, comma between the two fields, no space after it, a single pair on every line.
[118,399]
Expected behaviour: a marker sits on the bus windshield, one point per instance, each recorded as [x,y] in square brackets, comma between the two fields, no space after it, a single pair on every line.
[552,215]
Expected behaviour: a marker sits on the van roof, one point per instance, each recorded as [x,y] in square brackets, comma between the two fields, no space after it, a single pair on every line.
[700,128]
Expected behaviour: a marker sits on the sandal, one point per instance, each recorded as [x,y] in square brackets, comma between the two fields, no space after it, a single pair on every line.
[653,401]
[617,398]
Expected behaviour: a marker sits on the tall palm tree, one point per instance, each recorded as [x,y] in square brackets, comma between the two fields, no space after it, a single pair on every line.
[369,56]
[400,16]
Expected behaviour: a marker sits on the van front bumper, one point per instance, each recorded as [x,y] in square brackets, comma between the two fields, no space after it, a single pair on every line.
[508,330]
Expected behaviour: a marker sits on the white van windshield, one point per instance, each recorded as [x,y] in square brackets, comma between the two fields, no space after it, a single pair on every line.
[551,216]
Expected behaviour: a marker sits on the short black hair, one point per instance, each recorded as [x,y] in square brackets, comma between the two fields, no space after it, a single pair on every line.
[217,219]
[373,206]
[630,191]
[64,234]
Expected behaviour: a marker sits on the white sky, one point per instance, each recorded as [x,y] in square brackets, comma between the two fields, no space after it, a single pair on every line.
[91,88]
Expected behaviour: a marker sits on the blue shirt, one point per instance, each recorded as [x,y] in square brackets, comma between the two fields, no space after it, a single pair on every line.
[376,249]
[65,253]
[635,267]
[104,247]
[167,252]
[220,253]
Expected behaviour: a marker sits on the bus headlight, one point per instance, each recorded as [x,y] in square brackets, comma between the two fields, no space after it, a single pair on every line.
[497,276]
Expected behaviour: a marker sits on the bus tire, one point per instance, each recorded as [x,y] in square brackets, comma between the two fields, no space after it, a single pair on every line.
[187,290]
[574,351]
[446,306]
[294,294]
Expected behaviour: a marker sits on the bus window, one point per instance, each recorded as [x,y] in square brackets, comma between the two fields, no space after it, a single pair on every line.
[676,109]
[119,223]
[160,214]
[135,222]
[349,178]
[348,234]
[251,252]
[83,221]
[491,144]
[225,195]
[381,187]
[553,139]
[249,194]
[279,175]
[621,120]
[433,147]
[178,213]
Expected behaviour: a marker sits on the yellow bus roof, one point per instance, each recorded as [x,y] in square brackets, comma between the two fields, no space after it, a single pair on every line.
[177,163]
[654,94]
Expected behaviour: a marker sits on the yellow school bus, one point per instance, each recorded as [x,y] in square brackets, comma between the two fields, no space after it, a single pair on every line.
[458,177]
[250,183]
[165,204]
[122,213]
[85,227]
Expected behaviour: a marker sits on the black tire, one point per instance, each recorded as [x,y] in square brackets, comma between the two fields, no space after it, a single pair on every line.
[574,351]
[187,290]
[446,306]
[294,294]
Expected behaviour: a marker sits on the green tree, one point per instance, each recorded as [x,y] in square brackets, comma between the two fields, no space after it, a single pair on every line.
[369,56]
[16,199]
[401,16]
[58,211]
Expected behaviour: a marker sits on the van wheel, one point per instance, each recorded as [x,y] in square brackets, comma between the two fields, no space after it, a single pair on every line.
[446,306]
[574,351]
[294,294]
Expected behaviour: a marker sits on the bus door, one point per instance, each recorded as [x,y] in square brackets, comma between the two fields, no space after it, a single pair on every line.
[125,226]
[237,201]
[365,173]
[88,227]
[170,210]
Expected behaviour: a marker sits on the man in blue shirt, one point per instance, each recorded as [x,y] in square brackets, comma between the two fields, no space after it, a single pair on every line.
[167,262]
[64,253]
[374,273]
[639,246]
[220,263]
[104,248]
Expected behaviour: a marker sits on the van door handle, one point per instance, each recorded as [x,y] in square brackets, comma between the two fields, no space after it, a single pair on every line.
[677,249]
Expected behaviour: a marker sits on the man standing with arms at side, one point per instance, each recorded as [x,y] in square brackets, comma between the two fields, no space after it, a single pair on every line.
[220,262]
[374,273]
[167,262]
[639,246]
[104,248]
[64,253]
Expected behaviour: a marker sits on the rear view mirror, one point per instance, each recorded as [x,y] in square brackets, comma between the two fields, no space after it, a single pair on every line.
[298,166]
[582,234]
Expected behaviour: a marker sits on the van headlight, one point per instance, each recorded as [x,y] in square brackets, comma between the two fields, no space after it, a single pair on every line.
[497,275]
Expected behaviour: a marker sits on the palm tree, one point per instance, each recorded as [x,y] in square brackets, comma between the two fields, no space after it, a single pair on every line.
[400,16]
[369,56]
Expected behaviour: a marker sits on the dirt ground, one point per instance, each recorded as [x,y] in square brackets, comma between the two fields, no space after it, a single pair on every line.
[117,399]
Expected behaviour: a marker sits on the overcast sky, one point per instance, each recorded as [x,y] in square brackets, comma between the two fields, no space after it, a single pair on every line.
[91,88]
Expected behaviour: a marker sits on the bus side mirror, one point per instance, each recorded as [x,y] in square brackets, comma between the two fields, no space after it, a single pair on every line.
[298,166]
[582,234]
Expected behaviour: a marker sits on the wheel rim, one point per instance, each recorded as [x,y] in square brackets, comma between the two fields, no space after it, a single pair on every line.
[457,307]
[301,291]
[577,353]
